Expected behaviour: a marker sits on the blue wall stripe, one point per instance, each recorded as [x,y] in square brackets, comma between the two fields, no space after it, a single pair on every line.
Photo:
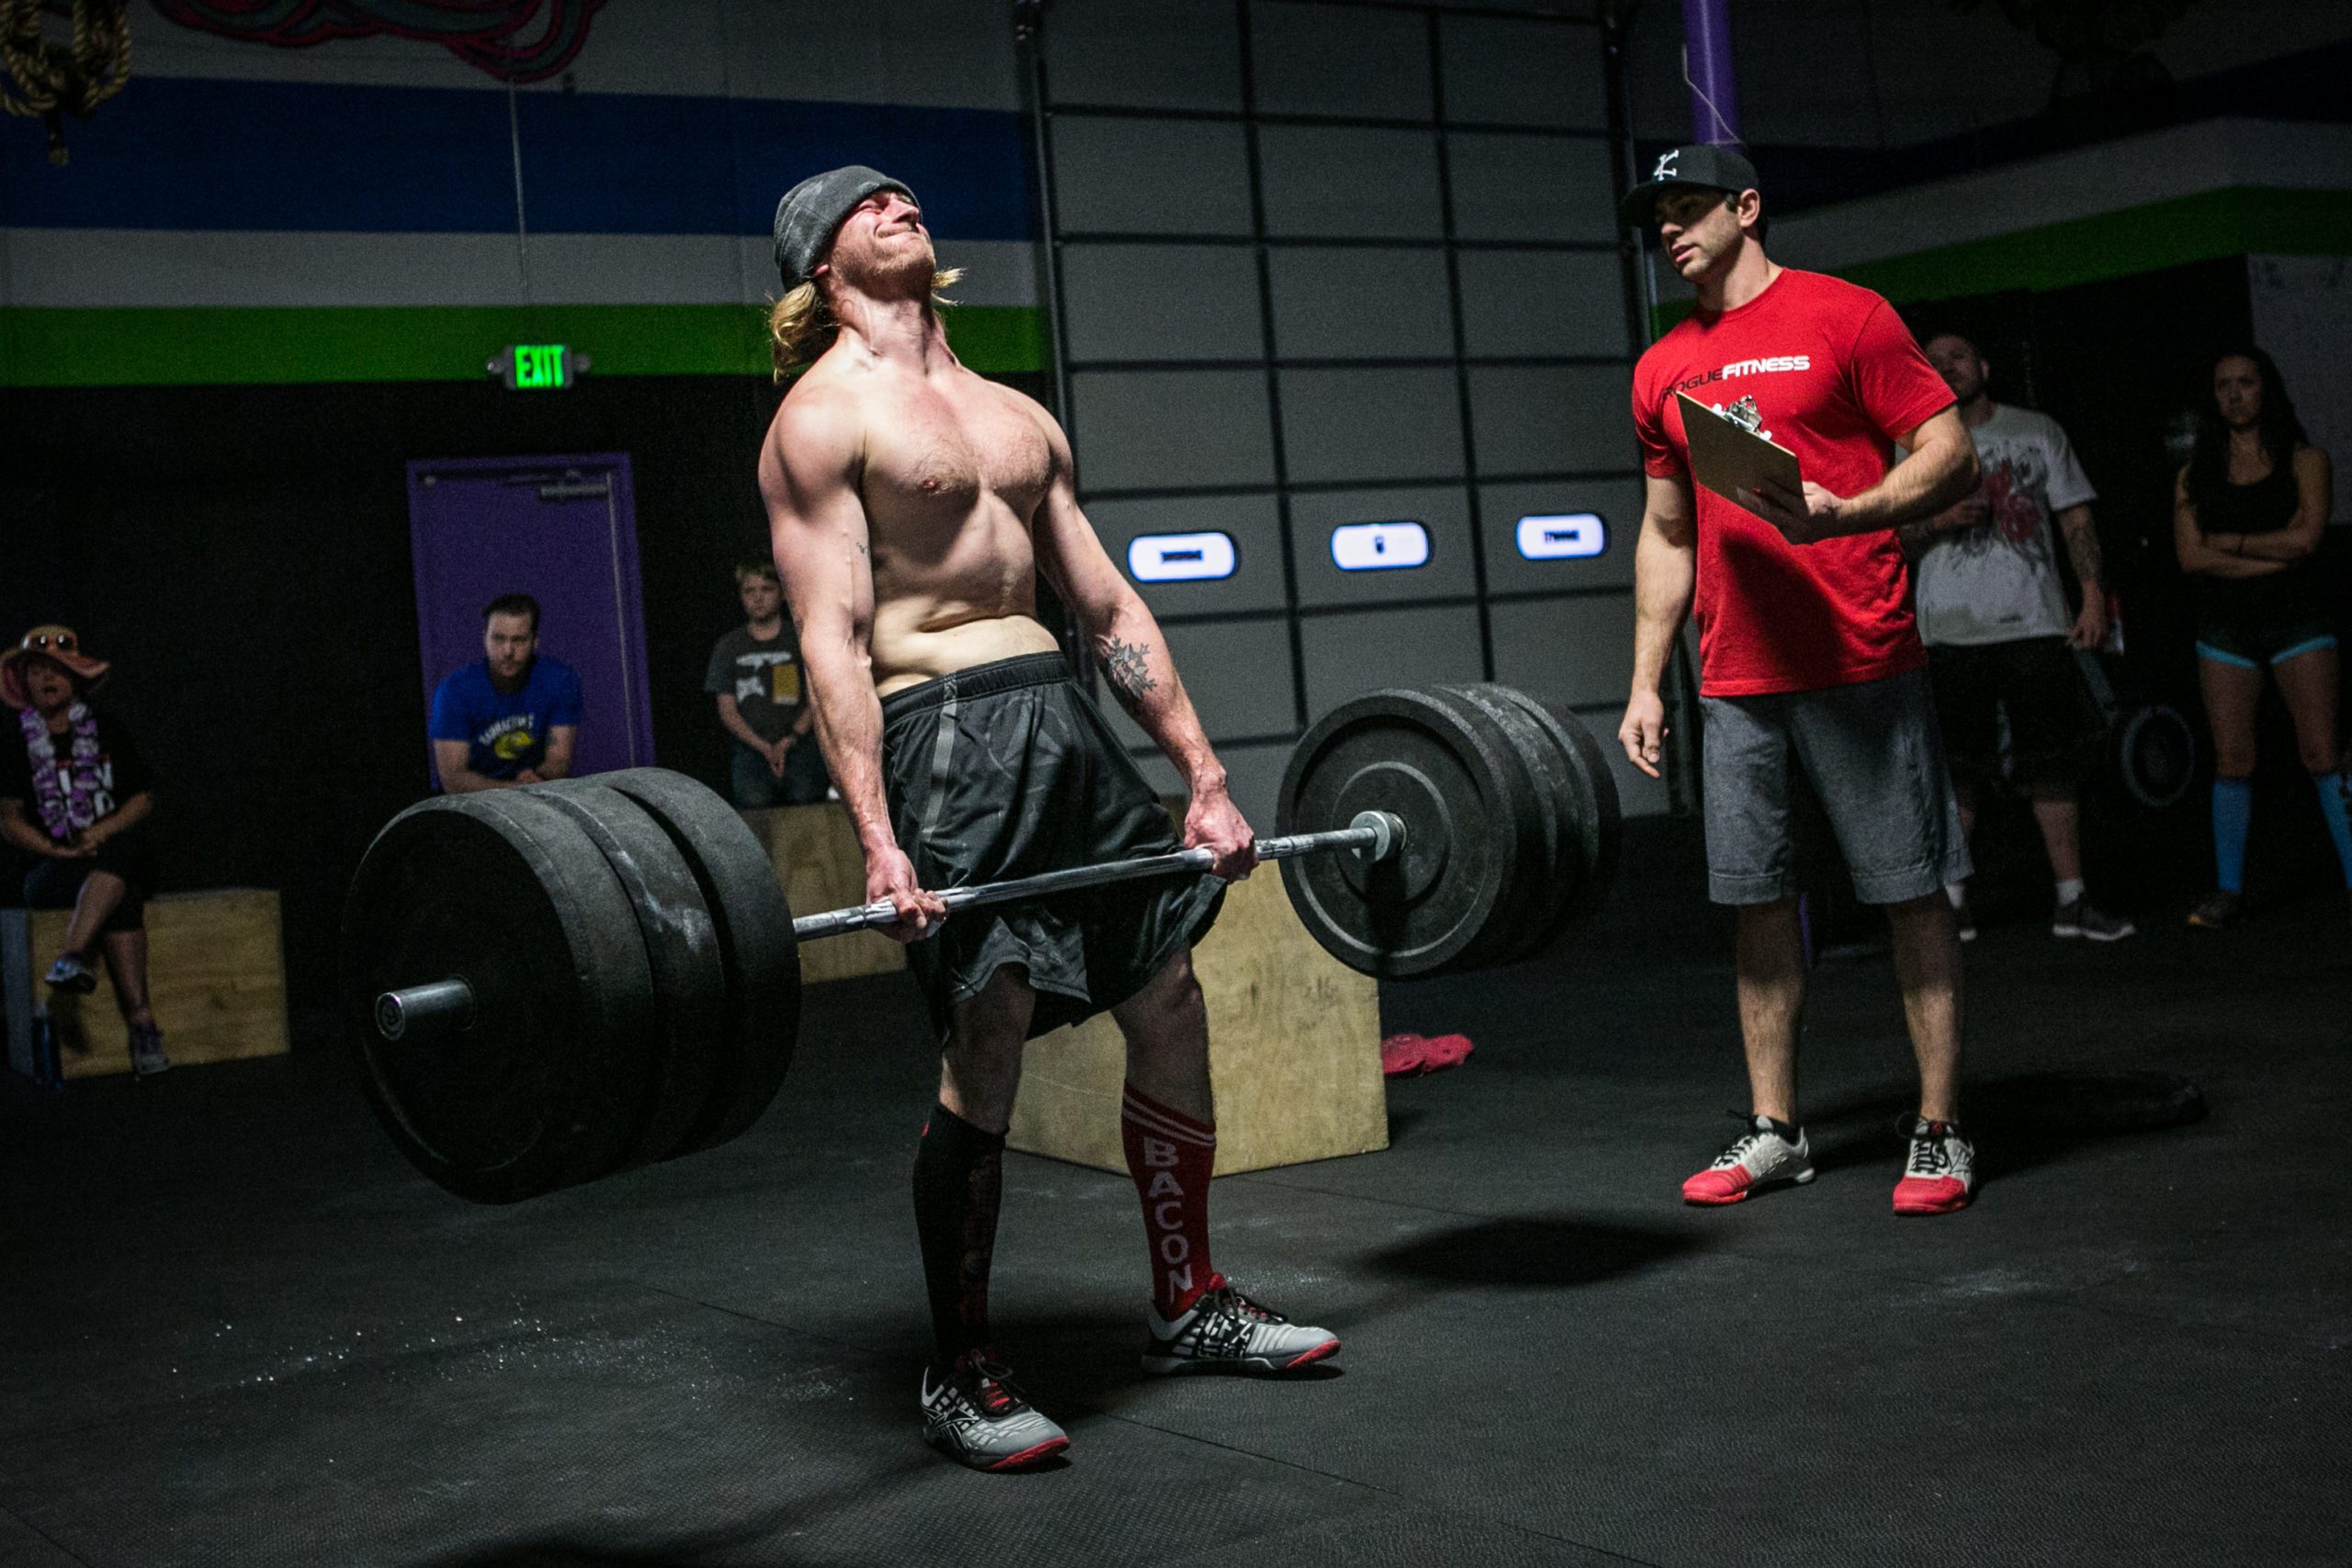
[188,153]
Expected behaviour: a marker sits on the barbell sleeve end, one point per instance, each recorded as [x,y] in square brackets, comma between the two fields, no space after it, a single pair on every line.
[1387,830]
[451,1001]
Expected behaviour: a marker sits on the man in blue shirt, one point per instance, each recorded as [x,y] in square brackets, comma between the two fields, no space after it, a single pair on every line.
[510,717]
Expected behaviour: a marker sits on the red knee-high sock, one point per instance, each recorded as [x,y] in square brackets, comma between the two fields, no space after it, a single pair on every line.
[1171,1157]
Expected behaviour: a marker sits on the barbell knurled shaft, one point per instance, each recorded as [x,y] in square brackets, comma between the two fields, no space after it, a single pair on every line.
[1362,834]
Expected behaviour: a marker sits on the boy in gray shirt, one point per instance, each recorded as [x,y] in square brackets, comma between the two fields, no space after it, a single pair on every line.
[755,674]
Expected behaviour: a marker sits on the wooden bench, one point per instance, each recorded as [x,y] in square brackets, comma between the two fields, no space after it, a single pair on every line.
[216,976]
[1294,1052]
[815,852]
[1294,1033]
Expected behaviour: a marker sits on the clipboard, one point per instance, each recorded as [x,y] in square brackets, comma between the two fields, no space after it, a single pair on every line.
[1727,456]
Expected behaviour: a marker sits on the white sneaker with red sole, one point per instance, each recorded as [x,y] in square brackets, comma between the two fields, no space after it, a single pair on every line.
[1226,1331]
[1940,1175]
[1761,1157]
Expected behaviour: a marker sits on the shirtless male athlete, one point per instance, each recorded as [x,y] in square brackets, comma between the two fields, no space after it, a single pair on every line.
[912,506]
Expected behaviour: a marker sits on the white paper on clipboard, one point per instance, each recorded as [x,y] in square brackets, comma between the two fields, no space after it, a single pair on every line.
[1727,457]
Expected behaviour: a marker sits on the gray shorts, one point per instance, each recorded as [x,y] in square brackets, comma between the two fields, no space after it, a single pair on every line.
[1875,760]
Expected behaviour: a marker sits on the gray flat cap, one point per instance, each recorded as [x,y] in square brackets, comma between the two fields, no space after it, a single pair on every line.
[812,210]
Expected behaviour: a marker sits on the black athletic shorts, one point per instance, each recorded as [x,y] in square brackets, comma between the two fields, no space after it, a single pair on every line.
[1007,769]
[57,884]
[2254,621]
[2036,681]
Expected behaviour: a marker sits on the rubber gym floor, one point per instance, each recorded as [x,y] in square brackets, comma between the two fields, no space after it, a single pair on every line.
[237,1329]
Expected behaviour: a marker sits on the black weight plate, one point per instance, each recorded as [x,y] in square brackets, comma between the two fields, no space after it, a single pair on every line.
[1589,859]
[1546,877]
[2155,755]
[755,944]
[680,947]
[1408,753]
[1523,915]
[510,895]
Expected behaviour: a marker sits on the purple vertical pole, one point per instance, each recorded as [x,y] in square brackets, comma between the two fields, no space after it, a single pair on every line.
[1706,68]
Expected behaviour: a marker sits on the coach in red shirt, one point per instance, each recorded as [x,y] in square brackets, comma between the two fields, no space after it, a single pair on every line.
[1810,664]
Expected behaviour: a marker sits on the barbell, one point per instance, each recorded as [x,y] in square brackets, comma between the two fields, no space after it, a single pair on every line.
[549,985]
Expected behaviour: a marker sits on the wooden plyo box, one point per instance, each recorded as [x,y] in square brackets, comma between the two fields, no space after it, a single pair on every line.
[1294,1052]
[815,852]
[216,976]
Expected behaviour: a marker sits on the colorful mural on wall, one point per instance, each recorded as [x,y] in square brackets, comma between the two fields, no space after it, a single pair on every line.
[375,209]
[514,40]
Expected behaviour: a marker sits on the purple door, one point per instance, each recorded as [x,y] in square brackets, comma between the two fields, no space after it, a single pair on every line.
[564,531]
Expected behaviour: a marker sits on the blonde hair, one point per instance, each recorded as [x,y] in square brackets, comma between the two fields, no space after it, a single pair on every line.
[801,325]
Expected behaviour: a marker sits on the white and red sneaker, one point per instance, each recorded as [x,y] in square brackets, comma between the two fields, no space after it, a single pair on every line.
[1941,1176]
[1226,1331]
[1761,1157]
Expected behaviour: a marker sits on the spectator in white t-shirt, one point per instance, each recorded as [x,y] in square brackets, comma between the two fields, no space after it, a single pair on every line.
[1992,612]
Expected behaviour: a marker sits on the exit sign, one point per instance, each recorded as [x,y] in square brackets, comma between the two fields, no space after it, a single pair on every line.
[538,366]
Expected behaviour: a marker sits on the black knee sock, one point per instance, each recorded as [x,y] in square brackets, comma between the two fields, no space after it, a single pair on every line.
[959,1178]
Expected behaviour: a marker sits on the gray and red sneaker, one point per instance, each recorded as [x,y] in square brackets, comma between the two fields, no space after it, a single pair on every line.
[1940,1175]
[1763,1155]
[974,1416]
[1226,1331]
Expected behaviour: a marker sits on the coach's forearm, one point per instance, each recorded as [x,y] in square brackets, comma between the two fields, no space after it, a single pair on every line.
[1915,488]
[849,731]
[1142,677]
[1664,576]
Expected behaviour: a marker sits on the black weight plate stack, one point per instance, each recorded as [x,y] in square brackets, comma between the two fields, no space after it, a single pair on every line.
[760,956]
[2155,754]
[1456,789]
[545,1088]
[681,948]
[1524,916]
[1591,818]
[1543,834]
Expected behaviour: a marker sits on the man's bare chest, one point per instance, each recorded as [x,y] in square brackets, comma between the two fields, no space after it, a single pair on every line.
[946,455]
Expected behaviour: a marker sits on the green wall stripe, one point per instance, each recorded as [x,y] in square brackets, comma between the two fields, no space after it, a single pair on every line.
[167,348]
[2239,221]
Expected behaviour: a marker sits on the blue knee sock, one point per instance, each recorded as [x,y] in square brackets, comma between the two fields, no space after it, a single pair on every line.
[2331,787]
[2233,810]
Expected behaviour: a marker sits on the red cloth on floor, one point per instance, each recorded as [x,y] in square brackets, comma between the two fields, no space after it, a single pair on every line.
[1411,1056]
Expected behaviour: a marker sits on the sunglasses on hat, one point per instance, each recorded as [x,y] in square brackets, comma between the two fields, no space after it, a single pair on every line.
[64,642]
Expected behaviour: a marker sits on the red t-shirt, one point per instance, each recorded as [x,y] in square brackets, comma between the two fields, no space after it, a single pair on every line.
[1837,378]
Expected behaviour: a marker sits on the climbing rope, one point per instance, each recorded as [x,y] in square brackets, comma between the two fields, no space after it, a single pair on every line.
[51,80]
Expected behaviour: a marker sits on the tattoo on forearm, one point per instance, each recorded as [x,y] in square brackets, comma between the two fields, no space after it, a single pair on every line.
[1127,665]
[2082,544]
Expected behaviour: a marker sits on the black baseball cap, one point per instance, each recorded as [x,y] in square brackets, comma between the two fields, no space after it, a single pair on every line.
[1695,167]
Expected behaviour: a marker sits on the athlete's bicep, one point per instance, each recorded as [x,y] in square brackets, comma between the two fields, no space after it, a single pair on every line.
[817,523]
